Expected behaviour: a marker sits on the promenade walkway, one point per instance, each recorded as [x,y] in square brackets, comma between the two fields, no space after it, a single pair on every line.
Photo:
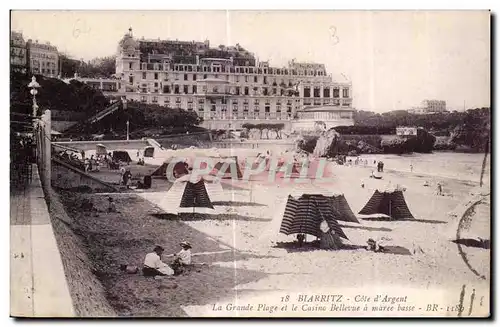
[38,286]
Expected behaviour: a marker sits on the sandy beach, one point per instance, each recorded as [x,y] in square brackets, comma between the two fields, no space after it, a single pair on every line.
[245,258]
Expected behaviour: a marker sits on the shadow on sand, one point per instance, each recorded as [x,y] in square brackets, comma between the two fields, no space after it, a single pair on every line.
[371,229]
[229,186]
[201,216]
[470,242]
[293,247]
[426,221]
[237,204]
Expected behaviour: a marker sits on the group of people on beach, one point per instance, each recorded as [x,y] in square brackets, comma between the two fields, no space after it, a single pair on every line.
[154,266]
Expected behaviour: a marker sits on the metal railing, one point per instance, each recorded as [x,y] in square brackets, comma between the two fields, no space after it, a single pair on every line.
[42,134]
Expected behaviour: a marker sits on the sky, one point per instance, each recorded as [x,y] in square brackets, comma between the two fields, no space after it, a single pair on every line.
[394,59]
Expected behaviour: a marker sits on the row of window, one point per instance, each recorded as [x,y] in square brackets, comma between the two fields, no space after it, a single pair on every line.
[215,68]
[326,92]
[36,63]
[36,70]
[187,89]
[43,55]
[237,78]
[245,105]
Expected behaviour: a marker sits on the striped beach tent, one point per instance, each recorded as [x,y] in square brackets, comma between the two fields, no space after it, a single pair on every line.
[338,205]
[328,200]
[304,215]
[390,203]
[189,196]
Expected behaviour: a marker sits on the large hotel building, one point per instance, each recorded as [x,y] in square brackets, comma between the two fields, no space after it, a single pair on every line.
[226,86]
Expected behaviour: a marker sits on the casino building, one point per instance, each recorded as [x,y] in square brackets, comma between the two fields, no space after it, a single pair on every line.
[227,86]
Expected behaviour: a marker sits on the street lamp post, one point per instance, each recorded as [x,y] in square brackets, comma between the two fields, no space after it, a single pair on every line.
[124,102]
[127,130]
[33,85]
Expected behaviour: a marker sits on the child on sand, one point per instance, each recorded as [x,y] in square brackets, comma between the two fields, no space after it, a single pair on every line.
[182,258]
[111,205]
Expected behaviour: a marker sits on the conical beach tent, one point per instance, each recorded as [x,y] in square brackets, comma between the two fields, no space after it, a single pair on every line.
[338,205]
[179,169]
[100,150]
[122,156]
[188,197]
[390,203]
[303,215]
[328,200]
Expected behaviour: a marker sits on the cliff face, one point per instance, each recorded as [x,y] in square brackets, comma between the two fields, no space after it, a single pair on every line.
[327,144]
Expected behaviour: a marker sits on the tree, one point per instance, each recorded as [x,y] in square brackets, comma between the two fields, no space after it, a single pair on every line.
[277,128]
[103,67]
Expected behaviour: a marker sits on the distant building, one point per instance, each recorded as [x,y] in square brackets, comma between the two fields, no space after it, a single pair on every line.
[433,106]
[226,85]
[406,131]
[429,107]
[18,57]
[329,116]
[43,58]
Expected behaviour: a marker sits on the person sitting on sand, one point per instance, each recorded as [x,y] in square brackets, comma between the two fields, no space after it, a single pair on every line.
[111,205]
[153,266]
[182,258]
[376,246]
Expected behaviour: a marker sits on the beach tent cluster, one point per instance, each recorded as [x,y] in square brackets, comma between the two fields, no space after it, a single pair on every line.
[308,213]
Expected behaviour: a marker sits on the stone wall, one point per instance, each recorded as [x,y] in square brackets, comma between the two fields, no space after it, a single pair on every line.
[87,293]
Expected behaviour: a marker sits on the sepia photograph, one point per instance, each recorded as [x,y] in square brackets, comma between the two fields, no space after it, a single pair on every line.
[250,163]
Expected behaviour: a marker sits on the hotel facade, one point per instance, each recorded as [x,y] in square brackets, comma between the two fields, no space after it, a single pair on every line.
[226,86]
[43,58]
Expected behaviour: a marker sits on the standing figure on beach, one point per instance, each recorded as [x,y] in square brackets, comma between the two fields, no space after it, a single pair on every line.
[411,168]
[127,176]
[300,239]
[439,189]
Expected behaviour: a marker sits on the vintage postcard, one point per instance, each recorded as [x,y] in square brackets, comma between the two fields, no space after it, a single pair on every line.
[250,163]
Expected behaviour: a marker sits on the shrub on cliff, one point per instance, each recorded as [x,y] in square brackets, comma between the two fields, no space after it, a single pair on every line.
[443,144]
[306,143]
[397,145]
[424,142]
[54,94]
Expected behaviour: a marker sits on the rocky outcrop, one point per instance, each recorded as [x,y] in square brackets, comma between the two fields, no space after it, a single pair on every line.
[327,144]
